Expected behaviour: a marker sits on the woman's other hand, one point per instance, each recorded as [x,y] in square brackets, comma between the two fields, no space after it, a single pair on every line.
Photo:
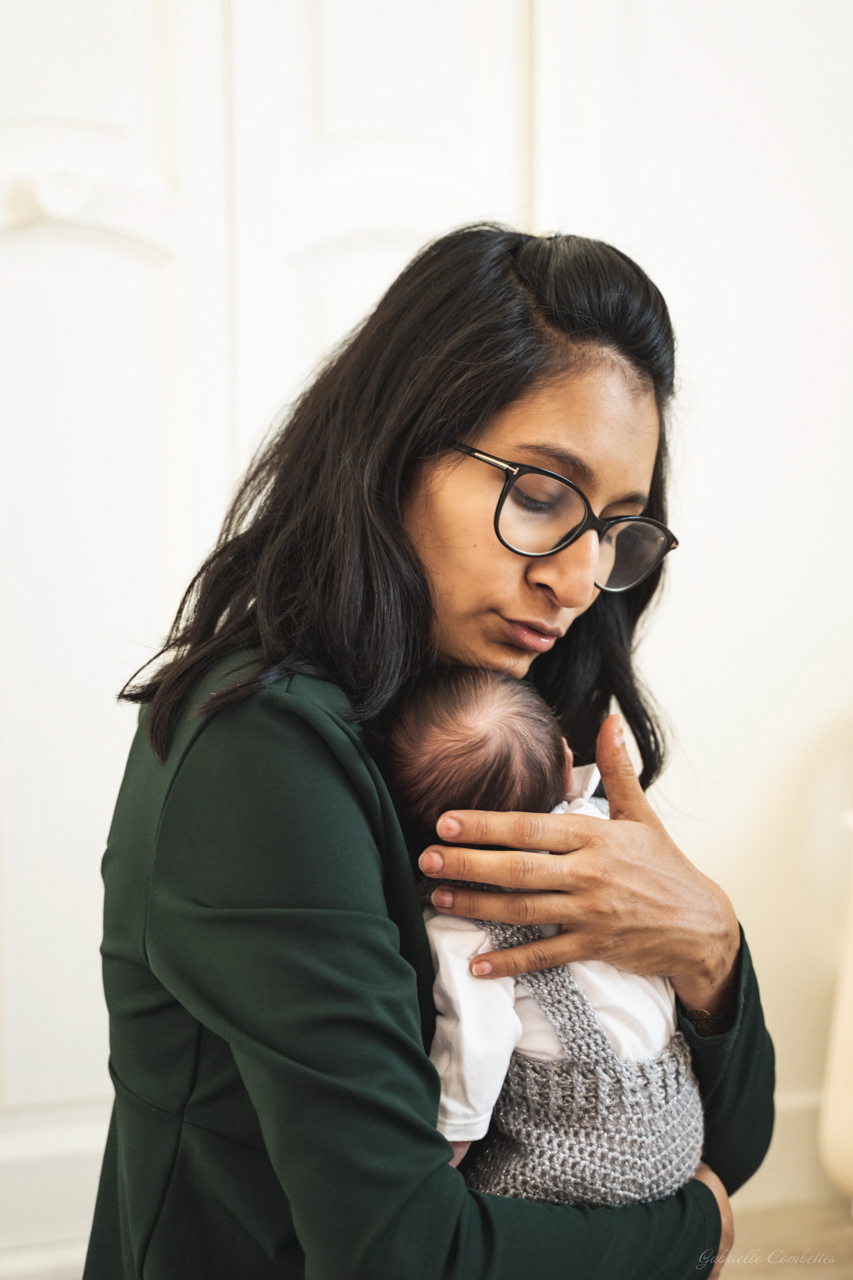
[625,893]
[727,1237]
[460,1150]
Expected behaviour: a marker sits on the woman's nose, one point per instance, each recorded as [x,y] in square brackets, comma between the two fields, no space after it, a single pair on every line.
[569,574]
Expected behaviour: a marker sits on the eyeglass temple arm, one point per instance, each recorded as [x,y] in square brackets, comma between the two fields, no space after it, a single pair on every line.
[506,467]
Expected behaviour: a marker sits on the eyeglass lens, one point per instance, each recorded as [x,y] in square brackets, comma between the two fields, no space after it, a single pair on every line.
[540,512]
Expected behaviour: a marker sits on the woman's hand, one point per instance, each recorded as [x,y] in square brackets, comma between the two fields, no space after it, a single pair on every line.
[625,893]
[727,1237]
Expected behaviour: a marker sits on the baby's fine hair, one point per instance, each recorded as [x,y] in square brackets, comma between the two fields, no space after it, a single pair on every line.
[475,739]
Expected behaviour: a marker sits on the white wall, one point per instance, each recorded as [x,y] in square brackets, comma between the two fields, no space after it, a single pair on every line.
[360,131]
[195,199]
[116,459]
[715,149]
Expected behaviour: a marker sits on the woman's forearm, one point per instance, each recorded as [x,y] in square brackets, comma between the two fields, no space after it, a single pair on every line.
[736,1074]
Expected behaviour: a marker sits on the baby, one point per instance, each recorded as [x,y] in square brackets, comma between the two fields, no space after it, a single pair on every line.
[575,1077]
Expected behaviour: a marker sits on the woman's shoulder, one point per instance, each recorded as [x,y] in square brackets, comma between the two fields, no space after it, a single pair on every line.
[289,730]
[269,801]
[280,684]
[282,697]
[276,765]
[289,736]
[319,702]
[287,716]
[278,770]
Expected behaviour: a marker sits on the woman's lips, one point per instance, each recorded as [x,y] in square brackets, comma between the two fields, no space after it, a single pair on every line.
[524,636]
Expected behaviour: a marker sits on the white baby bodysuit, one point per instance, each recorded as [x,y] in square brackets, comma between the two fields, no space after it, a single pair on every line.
[481,1021]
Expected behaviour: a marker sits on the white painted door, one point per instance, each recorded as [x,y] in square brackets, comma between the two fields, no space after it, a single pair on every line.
[115,464]
[196,198]
[360,132]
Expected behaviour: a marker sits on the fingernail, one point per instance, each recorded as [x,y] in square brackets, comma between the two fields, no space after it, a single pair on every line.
[480,968]
[620,733]
[442,898]
[430,861]
[449,827]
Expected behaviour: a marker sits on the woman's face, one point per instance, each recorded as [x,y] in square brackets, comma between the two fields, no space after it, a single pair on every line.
[598,427]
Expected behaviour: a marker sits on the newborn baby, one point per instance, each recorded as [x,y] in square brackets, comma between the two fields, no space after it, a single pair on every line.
[575,1077]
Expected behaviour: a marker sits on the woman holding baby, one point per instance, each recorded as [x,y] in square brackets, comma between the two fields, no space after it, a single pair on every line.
[476,478]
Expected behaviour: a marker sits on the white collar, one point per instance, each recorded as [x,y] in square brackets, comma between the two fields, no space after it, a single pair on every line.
[585,778]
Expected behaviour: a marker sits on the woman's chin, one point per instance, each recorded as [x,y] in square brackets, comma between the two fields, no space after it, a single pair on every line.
[505,658]
[517,662]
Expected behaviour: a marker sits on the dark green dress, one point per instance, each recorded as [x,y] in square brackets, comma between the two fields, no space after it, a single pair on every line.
[269,985]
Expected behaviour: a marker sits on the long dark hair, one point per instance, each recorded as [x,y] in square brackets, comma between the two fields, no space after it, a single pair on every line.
[313,566]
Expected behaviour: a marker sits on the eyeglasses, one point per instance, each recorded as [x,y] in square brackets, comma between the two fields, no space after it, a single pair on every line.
[540,512]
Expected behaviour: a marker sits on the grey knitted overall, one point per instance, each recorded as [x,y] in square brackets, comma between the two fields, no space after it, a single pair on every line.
[590,1128]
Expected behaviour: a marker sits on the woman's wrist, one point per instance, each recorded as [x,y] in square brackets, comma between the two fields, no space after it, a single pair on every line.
[710,990]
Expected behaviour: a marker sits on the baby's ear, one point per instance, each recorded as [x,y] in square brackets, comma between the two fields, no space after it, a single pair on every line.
[569,762]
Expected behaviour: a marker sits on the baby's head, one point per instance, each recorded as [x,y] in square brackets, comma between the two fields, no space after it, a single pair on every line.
[474,739]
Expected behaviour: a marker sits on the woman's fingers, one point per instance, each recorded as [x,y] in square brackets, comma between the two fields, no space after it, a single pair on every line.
[544,953]
[508,908]
[626,796]
[627,894]
[556,832]
[727,1235]
[510,868]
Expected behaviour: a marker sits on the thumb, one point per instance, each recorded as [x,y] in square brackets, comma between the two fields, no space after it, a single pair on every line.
[624,792]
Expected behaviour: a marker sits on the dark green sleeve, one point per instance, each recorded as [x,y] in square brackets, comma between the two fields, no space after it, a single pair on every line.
[268,920]
[736,1074]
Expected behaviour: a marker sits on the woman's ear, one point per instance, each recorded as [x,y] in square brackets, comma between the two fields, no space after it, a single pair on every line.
[569,762]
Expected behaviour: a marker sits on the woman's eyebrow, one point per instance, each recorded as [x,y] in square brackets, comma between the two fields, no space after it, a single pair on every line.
[581,472]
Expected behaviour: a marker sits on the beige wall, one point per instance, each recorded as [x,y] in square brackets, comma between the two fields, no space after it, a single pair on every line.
[195,199]
[714,150]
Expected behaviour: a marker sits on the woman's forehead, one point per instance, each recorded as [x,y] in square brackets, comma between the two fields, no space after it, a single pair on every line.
[598,426]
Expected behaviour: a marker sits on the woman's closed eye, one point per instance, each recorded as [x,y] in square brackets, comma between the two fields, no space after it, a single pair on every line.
[534,506]
[539,495]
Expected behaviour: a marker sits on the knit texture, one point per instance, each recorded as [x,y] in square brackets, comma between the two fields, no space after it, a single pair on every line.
[590,1129]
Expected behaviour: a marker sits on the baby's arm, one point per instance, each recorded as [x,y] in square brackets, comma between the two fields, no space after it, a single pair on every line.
[477,1029]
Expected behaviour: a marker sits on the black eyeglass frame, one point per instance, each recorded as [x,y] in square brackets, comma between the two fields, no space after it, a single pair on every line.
[514,470]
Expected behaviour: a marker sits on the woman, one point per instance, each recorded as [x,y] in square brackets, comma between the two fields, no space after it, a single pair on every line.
[265,961]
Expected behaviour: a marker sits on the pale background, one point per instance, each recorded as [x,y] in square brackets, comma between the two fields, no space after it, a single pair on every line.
[196,198]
